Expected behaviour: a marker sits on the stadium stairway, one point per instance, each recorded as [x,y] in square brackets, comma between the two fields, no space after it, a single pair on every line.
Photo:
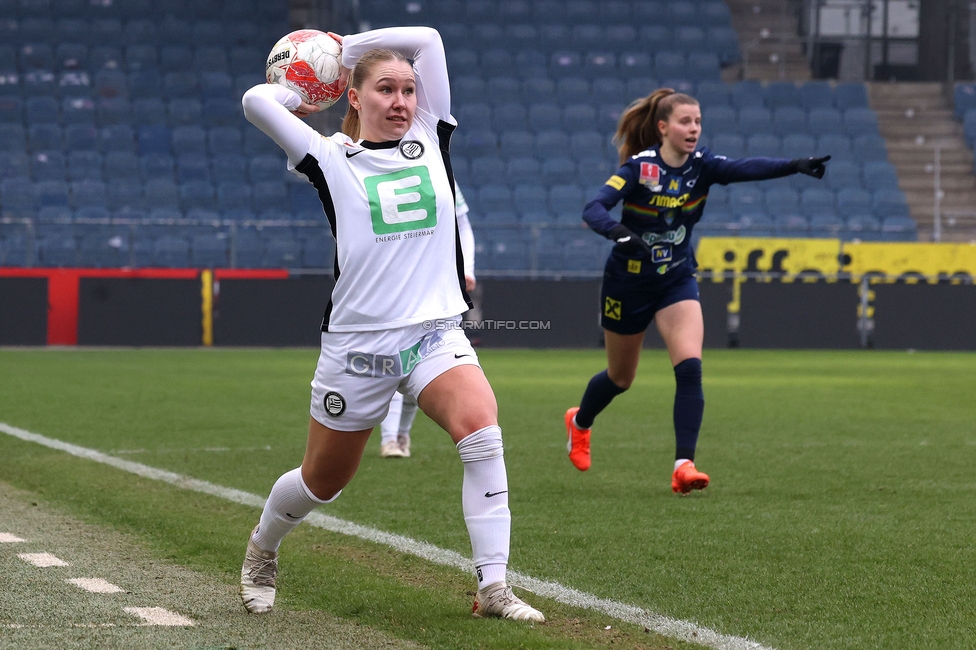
[771,49]
[914,119]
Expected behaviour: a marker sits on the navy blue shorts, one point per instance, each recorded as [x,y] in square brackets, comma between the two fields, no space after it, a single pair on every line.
[629,304]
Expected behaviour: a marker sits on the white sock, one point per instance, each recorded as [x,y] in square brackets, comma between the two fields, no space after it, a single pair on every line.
[484,500]
[407,415]
[681,461]
[287,505]
[390,424]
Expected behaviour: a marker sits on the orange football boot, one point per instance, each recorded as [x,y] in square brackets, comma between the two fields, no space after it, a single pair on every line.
[687,478]
[577,442]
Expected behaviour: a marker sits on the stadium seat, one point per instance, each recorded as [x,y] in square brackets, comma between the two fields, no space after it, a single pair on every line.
[720,119]
[782,201]
[599,65]
[748,94]
[899,228]
[870,148]
[823,121]
[227,168]
[837,146]
[609,91]
[157,166]
[817,202]
[189,140]
[890,202]
[827,227]
[508,116]
[864,227]
[765,145]
[789,120]
[57,251]
[157,140]
[755,224]
[551,144]
[468,89]
[532,202]
[268,195]
[184,112]
[703,66]
[566,201]
[517,169]
[162,193]
[224,140]
[171,251]
[579,117]
[121,165]
[791,225]
[880,175]
[265,168]
[48,166]
[851,95]
[860,121]
[500,91]
[729,145]
[495,198]
[853,201]
[234,195]
[745,198]
[104,248]
[319,252]
[122,193]
[13,164]
[488,170]
[88,194]
[478,142]
[669,65]
[816,94]
[584,143]
[77,110]
[192,167]
[209,250]
[843,174]
[514,144]
[634,65]
[118,110]
[557,171]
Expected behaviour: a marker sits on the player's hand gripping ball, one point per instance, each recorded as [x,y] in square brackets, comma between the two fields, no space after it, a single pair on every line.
[307,61]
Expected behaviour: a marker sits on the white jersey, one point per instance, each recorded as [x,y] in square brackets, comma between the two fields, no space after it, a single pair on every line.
[391,205]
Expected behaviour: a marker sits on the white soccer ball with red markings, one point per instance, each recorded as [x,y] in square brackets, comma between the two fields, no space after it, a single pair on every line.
[307,61]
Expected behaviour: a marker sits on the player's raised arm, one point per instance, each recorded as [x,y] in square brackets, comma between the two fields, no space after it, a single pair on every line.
[269,107]
[422,46]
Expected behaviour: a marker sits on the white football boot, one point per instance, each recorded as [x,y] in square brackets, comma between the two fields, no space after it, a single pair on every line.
[497,600]
[258,577]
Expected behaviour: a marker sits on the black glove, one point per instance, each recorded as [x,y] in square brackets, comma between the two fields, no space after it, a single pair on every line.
[810,166]
[627,242]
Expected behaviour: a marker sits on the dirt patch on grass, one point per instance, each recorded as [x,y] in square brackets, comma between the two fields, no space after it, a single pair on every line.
[40,609]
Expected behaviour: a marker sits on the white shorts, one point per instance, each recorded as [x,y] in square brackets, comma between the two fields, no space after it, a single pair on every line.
[358,372]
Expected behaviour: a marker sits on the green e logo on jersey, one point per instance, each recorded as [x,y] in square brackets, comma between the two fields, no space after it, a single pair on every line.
[401,201]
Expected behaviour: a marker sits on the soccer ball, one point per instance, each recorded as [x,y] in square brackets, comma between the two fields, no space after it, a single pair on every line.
[307,61]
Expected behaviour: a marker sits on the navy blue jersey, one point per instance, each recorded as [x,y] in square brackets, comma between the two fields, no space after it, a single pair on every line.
[662,203]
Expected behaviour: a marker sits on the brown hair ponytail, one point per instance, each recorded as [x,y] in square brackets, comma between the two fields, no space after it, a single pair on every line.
[358,76]
[637,129]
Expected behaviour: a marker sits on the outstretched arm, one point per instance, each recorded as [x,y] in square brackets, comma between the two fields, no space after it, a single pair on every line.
[724,170]
[269,107]
[423,46]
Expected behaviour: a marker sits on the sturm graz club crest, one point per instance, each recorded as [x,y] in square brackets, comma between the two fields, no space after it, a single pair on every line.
[411,149]
[334,403]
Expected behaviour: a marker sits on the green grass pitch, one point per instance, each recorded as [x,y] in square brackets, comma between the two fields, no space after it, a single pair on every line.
[840,515]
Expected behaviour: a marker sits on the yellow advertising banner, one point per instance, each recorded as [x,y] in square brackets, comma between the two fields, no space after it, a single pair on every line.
[782,258]
[911,262]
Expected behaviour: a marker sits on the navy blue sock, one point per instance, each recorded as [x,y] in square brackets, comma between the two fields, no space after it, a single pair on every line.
[689,404]
[599,393]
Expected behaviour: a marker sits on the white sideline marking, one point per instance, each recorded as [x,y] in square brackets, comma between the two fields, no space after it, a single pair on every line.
[9,538]
[664,625]
[96,585]
[159,616]
[42,559]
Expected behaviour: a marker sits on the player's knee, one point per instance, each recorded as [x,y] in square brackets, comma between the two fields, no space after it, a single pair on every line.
[622,379]
[483,444]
